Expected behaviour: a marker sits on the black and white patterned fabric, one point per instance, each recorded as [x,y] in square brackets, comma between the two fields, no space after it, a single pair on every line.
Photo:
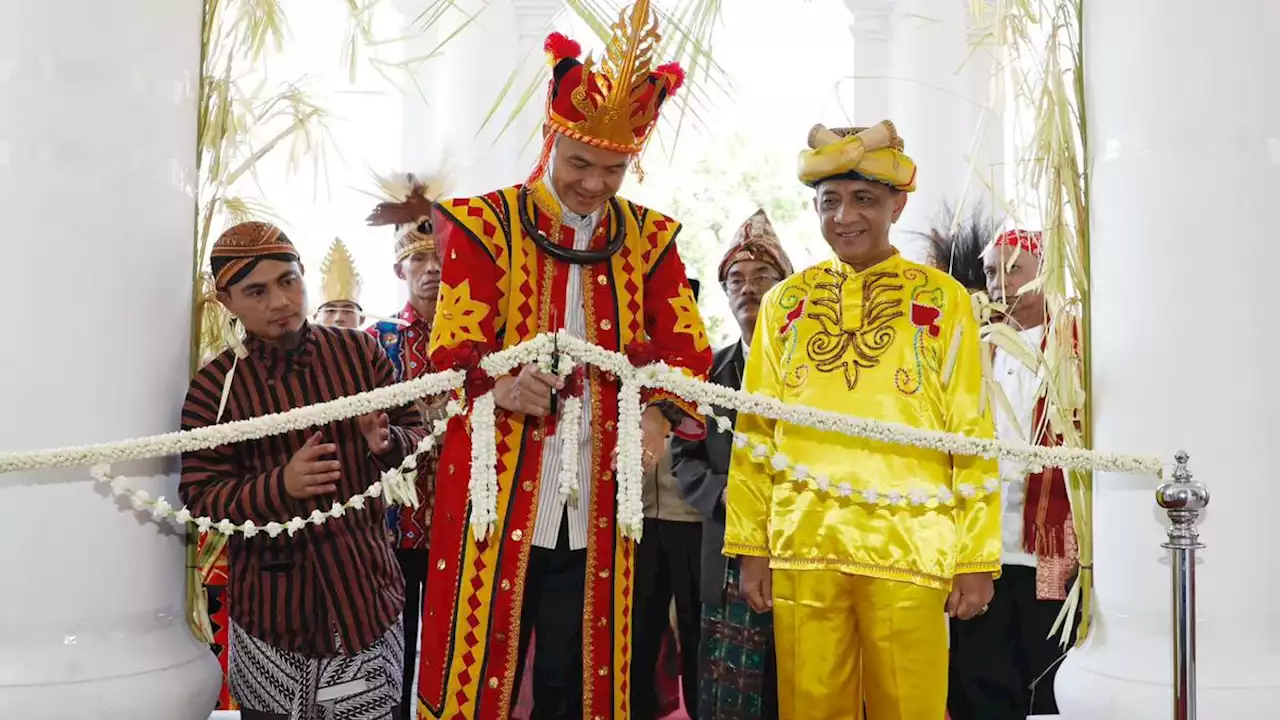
[364,686]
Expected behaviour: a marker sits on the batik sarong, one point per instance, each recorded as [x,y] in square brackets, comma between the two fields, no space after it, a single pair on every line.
[364,686]
[739,679]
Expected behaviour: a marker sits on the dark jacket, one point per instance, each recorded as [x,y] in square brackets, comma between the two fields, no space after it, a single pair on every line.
[701,468]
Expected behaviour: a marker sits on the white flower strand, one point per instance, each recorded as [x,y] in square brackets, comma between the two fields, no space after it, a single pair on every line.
[161,510]
[212,436]
[630,471]
[569,426]
[919,497]
[483,487]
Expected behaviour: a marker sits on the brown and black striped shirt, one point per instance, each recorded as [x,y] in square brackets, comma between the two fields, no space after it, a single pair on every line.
[293,593]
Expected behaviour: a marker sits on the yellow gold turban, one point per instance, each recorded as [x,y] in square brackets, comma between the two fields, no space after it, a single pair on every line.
[874,153]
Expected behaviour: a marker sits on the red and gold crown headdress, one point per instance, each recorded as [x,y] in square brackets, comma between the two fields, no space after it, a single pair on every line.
[612,104]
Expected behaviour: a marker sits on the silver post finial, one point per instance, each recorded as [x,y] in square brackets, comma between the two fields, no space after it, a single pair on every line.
[1183,499]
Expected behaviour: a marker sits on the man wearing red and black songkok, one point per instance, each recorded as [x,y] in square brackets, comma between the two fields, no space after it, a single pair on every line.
[558,252]
[405,339]
[315,617]
[1003,662]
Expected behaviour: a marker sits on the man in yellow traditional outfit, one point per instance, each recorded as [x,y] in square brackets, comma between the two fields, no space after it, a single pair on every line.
[340,289]
[558,252]
[859,546]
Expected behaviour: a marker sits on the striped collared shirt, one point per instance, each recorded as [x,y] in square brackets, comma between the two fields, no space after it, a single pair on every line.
[551,506]
[293,593]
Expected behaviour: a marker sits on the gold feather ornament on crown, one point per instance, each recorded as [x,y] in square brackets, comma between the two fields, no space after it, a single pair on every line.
[622,78]
[341,280]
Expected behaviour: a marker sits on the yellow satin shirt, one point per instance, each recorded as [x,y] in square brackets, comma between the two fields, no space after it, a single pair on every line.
[897,342]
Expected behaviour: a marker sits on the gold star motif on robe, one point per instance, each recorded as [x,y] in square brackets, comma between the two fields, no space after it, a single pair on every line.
[688,319]
[461,314]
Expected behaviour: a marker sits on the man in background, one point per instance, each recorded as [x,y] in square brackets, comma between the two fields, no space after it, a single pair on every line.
[737,663]
[1003,662]
[405,339]
[340,289]
[667,566]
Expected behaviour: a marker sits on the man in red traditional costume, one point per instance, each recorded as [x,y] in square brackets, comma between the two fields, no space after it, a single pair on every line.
[405,339]
[1003,662]
[558,252]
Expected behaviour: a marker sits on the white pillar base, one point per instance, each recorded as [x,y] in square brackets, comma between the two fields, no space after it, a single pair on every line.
[97,173]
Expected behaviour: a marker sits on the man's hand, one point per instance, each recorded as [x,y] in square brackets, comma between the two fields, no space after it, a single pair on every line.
[432,408]
[528,393]
[308,473]
[757,582]
[970,595]
[376,429]
[654,428]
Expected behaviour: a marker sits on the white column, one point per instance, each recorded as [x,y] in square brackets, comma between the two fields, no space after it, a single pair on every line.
[443,125]
[914,64]
[1186,159]
[872,30]
[97,169]
[940,103]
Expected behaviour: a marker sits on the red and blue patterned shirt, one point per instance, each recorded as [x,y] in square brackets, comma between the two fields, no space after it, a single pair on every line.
[406,346]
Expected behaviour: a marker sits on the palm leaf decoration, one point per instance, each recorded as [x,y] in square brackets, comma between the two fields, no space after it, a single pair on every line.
[1044,71]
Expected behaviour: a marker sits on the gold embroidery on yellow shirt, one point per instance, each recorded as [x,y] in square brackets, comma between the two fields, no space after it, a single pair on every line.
[928,305]
[462,315]
[853,336]
[688,321]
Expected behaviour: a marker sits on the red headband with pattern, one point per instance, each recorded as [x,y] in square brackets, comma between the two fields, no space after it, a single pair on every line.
[1025,240]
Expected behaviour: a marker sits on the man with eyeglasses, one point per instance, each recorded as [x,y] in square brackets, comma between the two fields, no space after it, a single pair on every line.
[738,678]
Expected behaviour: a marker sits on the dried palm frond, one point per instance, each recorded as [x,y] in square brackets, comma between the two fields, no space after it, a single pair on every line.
[1044,70]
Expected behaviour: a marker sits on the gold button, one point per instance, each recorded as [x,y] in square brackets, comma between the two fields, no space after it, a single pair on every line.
[440,565]
[603,522]
[603,622]
[537,435]
[517,535]
[602,279]
[604,574]
[493,683]
[607,475]
[453,254]
[527,486]
[605,324]
[500,637]
[450,468]
[609,425]
[506,584]
[602,671]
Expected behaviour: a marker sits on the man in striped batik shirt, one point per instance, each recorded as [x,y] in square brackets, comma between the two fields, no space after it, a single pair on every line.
[315,617]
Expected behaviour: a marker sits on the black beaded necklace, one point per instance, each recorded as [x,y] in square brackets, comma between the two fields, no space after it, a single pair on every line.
[569,255]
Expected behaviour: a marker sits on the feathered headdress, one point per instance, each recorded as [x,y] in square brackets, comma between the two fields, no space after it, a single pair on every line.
[409,207]
[959,250]
[611,104]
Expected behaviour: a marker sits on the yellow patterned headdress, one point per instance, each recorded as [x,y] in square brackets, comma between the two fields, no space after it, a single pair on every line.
[875,153]
[614,103]
[340,281]
[409,210]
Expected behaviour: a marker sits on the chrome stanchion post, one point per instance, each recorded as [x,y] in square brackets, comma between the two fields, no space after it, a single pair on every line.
[1183,500]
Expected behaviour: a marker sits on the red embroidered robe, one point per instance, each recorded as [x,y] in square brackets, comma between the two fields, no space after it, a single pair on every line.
[499,288]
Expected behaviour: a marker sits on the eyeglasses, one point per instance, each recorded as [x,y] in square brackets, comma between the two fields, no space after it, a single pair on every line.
[737,282]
